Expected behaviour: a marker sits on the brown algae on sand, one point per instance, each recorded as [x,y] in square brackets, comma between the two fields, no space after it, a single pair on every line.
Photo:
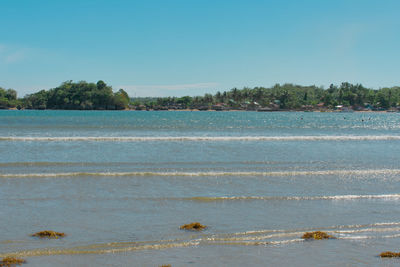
[389,254]
[317,235]
[196,226]
[48,234]
[11,261]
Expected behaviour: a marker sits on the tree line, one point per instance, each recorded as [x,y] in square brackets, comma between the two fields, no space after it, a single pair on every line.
[8,98]
[76,96]
[286,96]
[100,96]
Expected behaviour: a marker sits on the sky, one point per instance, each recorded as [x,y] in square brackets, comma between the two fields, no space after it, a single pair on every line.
[192,47]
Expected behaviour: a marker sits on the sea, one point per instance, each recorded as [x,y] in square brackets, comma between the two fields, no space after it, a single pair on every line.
[120,184]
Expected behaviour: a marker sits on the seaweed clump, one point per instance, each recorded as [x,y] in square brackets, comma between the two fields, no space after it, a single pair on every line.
[389,254]
[196,226]
[11,261]
[317,235]
[48,234]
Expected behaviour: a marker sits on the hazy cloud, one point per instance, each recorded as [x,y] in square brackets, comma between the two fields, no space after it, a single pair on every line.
[349,38]
[9,55]
[15,57]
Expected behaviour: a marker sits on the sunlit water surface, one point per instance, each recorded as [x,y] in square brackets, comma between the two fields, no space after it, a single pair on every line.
[120,184]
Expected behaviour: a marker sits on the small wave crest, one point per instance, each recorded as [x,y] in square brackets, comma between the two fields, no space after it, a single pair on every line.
[200,174]
[339,197]
[93,250]
[202,138]
[272,237]
[332,228]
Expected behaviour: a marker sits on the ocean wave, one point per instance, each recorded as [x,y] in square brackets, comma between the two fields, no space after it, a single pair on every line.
[126,163]
[275,237]
[338,197]
[254,238]
[92,250]
[259,243]
[380,225]
[202,138]
[357,237]
[202,174]
[44,163]
[363,230]
[233,198]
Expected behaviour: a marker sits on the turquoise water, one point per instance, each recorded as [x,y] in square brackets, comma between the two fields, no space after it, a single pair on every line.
[120,184]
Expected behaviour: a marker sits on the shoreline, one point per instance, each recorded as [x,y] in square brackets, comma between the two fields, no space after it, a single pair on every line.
[230,110]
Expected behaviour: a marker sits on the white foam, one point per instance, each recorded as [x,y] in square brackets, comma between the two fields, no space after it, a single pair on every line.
[254,238]
[357,226]
[356,237]
[338,197]
[203,138]
[215,239]
[91,250]
[212,173]
[258,243]
[391,229]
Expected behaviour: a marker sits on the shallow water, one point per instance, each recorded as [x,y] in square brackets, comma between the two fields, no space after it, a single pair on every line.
[120,184]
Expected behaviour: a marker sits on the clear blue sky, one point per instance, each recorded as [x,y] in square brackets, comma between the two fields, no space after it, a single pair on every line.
[189,47]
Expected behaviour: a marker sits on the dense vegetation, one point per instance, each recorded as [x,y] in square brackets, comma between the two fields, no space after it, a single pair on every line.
[286,96]
[99,96]
[8,98]
[80,95]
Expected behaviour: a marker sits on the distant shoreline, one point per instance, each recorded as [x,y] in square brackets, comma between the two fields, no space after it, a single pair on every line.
[84,95]
[230,110]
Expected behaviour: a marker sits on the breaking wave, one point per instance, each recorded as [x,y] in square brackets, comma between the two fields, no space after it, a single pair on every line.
[204,138]
[231,198]
[203,174]
[272,237]
[338,197]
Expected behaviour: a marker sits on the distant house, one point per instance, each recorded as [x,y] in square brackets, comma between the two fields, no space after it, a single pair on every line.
[219,107]
[307,107]
[140,107]
[343,108]
[203,108]
[368,106]
[250,105]
[339,107]
[275,105]
[321,107]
